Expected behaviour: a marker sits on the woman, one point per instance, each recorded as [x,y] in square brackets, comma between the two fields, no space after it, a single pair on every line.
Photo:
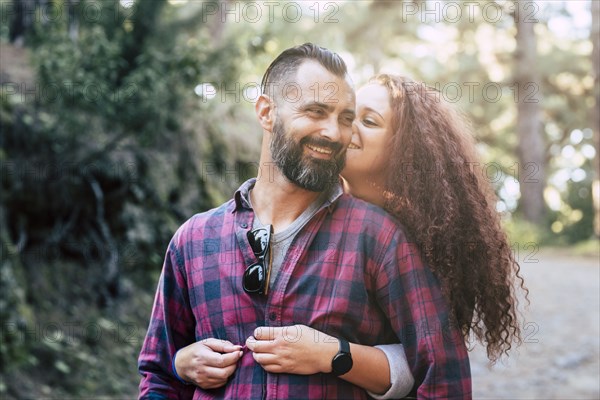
[412,155]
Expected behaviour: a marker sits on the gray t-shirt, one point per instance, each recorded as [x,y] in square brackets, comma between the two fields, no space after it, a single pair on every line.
[281,241]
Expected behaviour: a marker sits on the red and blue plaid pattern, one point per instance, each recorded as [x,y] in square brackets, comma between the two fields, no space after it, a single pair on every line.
[350,272]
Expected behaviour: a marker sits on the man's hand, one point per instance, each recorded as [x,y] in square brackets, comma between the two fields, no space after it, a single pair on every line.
[208,363]
[296,349]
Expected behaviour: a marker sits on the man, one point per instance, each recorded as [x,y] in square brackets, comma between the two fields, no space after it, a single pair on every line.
[290,250]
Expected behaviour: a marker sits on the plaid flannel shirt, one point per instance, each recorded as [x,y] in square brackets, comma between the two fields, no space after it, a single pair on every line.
[350,272]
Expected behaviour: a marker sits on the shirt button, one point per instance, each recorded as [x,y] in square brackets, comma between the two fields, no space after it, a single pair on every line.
[273,316]
[244,225]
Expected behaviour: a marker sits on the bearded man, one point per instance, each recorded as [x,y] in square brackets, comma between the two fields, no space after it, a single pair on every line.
[292,261]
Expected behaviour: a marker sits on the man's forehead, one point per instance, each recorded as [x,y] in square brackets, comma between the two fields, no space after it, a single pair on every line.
[314,83]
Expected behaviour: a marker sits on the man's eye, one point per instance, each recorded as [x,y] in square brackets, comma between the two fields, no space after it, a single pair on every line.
[348,121]
[316,111]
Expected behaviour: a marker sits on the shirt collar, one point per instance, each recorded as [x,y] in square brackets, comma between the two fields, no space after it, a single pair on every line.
[242,194]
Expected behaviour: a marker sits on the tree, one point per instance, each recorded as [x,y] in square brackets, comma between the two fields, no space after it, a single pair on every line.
[595,111]
[531,147]
[108,153]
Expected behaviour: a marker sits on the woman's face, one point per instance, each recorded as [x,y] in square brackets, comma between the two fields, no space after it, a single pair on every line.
[371,134]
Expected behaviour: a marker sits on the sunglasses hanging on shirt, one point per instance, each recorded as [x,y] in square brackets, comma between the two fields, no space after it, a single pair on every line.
[256,277]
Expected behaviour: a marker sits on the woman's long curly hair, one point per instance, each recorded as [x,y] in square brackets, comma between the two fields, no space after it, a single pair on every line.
[439,193]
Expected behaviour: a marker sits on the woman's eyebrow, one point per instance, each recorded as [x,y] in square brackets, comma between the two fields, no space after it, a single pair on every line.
[373,111]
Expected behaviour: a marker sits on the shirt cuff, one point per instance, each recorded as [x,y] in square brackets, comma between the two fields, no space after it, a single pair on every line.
[180,379]
[400,376]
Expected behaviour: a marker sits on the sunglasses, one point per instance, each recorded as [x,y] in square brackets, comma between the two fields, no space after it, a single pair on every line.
[256,277]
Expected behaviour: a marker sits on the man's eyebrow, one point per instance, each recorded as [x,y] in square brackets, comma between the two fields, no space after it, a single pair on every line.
[319,104]
[328,107]
[350,112]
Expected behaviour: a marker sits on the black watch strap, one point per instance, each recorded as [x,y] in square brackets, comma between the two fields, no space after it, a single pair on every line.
[342,362]
[344,346]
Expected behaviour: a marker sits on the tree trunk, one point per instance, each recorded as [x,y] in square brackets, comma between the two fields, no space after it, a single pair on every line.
[216,26]
[73,20]
[531,147]
[595,111]
[19,24]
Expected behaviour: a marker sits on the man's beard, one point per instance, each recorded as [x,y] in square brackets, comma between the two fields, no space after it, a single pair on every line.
[316,175]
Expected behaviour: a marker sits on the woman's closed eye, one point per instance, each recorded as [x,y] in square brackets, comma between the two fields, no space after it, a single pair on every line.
[369,122]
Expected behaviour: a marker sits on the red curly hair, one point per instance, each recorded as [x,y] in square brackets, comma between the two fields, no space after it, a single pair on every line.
[448,208]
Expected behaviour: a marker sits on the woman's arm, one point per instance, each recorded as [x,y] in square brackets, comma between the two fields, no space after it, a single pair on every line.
[401,378]
[370,368]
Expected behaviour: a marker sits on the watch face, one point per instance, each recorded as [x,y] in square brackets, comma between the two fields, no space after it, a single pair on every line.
[342,363]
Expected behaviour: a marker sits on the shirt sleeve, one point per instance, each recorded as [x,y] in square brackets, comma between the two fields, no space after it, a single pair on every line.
[401,379]
[171,327]
[411,297]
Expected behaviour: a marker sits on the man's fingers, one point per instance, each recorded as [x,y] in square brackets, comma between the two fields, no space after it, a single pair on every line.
[221,346]
[265,359]
[219,374]
[251,343]
[261,346]
[229,370]
[218,360]
[229,359]
[266,332]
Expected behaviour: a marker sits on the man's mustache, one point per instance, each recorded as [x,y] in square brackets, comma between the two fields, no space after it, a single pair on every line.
[335,147]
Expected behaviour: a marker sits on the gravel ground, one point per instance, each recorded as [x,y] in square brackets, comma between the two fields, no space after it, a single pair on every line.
[561,327]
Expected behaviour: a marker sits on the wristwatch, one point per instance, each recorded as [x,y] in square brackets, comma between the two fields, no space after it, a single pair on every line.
[342,362]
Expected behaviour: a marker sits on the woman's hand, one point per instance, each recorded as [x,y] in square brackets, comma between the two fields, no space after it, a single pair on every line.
[208,363]
[296,349]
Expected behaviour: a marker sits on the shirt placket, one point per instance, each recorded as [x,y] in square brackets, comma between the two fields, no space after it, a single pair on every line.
[275,300]
[243,221]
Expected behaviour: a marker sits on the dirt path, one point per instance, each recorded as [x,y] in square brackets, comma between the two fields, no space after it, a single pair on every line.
[561,356]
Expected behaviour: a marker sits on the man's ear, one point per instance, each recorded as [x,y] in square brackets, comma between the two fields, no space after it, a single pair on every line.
[265,112]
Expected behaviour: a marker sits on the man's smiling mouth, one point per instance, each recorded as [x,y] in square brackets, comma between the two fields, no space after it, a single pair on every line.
[320,150]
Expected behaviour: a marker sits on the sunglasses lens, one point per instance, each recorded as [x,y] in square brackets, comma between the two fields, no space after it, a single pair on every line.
[254,278]
[259,241]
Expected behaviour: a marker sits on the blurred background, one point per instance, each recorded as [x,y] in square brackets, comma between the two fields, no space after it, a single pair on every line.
[121,119]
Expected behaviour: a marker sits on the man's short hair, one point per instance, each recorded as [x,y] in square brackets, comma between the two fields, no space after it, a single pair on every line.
[284,67]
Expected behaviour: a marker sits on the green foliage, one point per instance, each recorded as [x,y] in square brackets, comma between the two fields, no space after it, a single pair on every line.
[577,227]
[588,248]
[523,232]
[114,150]
[100,166]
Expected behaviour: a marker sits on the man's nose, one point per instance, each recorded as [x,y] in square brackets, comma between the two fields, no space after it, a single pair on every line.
[354,128]
[334,131]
